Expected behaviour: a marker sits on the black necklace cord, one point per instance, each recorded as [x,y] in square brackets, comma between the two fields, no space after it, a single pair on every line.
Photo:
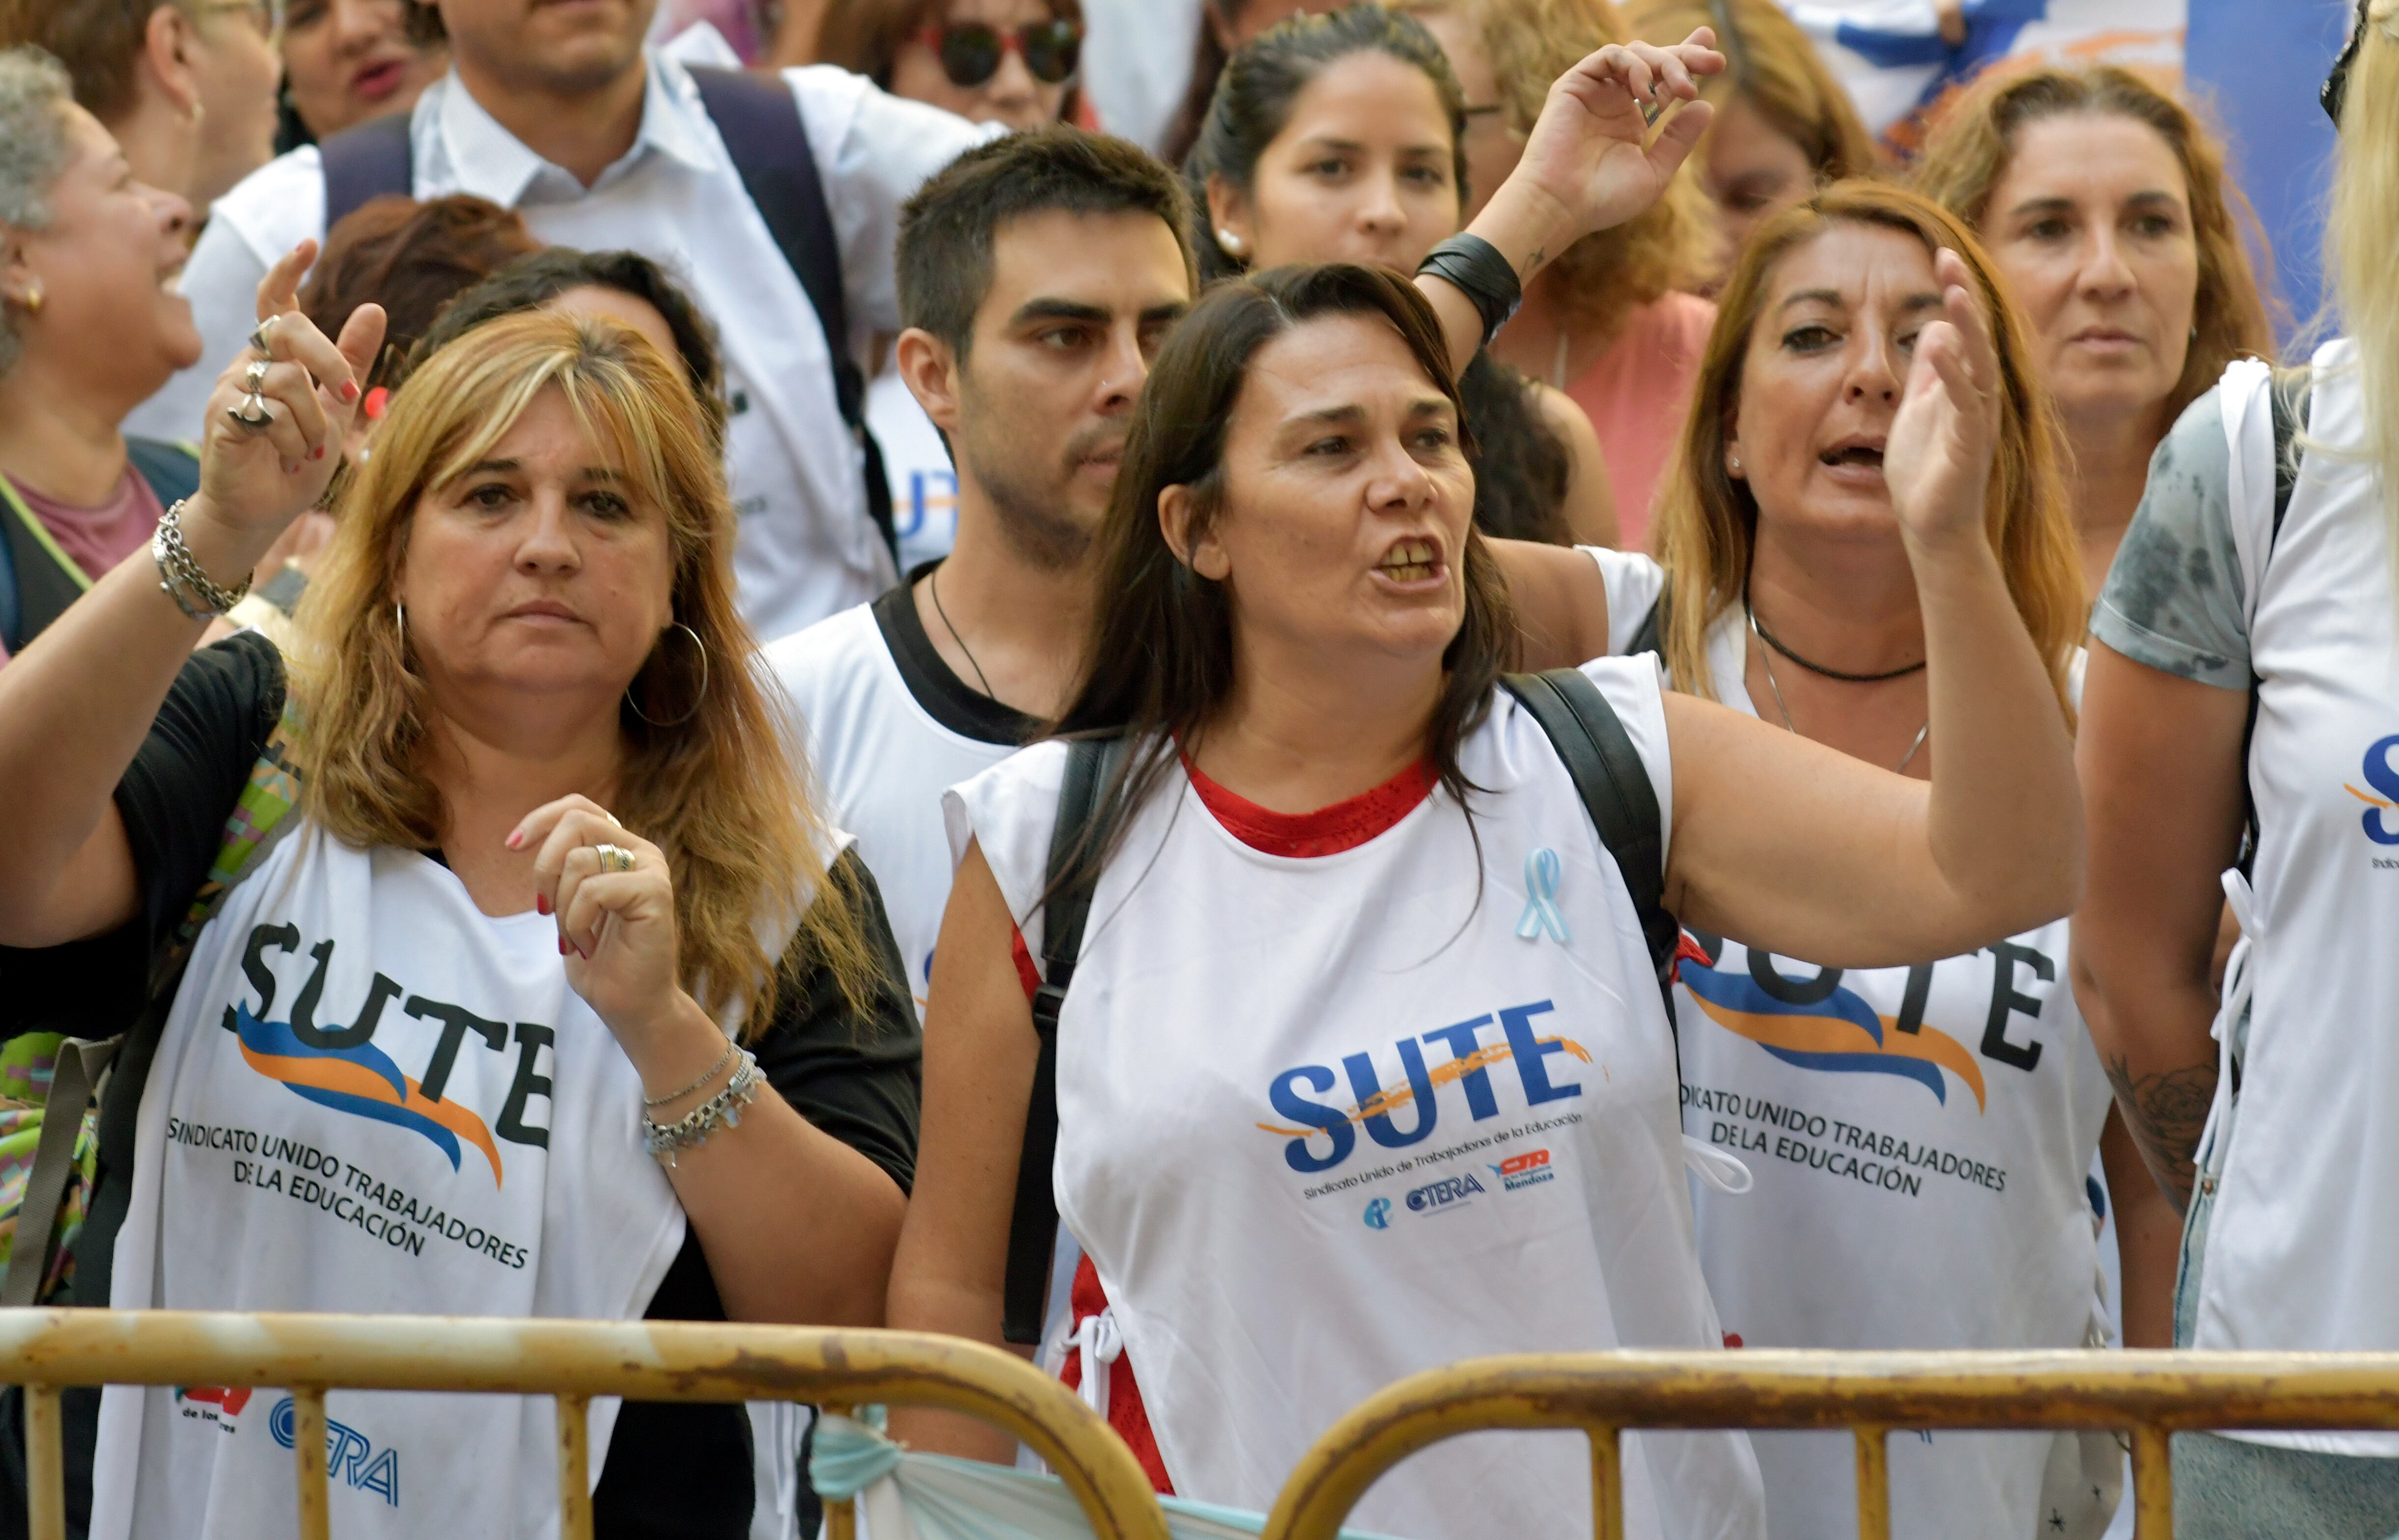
[1768,638]
[933,585]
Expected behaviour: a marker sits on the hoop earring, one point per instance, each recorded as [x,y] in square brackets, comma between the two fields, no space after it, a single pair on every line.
[634,705]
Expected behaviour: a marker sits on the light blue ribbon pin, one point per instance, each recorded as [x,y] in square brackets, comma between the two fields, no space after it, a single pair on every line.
[1541,900]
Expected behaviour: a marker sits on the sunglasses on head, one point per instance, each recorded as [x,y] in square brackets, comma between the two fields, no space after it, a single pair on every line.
[970,52]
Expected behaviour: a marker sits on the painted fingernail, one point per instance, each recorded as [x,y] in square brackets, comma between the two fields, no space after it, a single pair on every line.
[562,948]
[316,453]
[349,390]
[516,839]
[541,903]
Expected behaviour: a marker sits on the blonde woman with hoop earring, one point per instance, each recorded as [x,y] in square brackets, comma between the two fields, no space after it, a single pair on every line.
[550,994]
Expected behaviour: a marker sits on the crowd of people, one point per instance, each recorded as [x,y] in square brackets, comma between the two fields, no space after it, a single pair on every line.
[1466,682]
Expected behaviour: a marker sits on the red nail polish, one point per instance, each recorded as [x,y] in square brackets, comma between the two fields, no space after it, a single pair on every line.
[516,839]
[562,948]
[540,904]
[349,390]
[316,453]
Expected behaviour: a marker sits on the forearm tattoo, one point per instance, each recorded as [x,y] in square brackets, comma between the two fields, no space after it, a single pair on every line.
[2165,1113]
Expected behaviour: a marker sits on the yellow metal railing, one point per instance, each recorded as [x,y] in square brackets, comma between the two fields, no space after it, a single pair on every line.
[47,1350]
[2152,1395]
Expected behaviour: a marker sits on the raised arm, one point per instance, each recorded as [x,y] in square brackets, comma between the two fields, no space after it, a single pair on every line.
[951,1270]
[1787,845]
[2162,774]
[76,705]
[1590,163]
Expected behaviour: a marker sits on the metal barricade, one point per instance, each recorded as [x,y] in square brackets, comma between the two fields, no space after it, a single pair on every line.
[572,1360]
[2152,1395]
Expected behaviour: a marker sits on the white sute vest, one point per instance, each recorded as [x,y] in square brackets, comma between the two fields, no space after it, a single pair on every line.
[2301,1250]
[1324,1122]
[370,1097]
[1921,1139]
[883,764]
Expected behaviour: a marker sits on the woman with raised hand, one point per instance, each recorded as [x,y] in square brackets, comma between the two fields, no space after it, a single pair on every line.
[2104,204]
[1362,1067]
[2241,679]
[550,995]
[1342,138]
[90,326]
[1921,1131]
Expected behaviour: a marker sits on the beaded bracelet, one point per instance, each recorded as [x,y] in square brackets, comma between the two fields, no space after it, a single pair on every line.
[722,1110]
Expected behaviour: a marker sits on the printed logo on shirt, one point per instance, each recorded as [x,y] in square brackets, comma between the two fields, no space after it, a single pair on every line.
[1814,1023]
[213,1406]
[340,1067]
[1379,1214]
[2379,774]
[349,1454]
[1529,1169]
[1447,1193]
[1469,1068]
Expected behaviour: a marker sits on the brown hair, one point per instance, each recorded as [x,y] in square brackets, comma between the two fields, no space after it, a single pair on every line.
[412,259]
[863,36]
[1774,67]
[1975,139]
[1707,522]
[714,790]
[97,40]
[1158,662]
[1531,43]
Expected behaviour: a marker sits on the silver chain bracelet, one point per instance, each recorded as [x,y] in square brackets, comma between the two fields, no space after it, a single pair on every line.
[722,1110]
[180,571]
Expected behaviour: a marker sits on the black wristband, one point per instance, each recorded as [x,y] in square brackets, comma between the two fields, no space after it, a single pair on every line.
[1481,275]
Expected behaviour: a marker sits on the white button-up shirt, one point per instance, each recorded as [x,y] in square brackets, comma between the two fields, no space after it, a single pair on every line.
[807,547]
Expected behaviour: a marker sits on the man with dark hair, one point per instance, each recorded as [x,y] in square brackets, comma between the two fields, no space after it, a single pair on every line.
[1037,276]
[771,199]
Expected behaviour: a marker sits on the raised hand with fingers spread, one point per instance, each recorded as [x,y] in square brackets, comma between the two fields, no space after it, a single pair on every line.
[1938,461]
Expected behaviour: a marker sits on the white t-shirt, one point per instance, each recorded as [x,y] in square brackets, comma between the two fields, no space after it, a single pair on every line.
[807,546]
[924,482]
[888,728]
[1328,1120]
[1921,1139]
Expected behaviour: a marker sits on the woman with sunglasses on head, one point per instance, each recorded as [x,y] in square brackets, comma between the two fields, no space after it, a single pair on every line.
[1342,138]
[1007,62]
[2238,742]
[1784,127]
[1605,327]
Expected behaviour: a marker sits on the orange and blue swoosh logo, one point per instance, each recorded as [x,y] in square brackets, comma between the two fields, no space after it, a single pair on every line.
[363,1081]
[1840,1033]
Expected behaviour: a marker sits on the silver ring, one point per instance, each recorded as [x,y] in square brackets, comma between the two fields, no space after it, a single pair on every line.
[615,857]
[254,379]
[251,415]
[259,334]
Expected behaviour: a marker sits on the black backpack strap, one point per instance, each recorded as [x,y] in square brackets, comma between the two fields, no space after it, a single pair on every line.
[1650,636]
[1615,788]
[173,470]
[367,162]
[1033,1230]
[2287,406]
[763,132]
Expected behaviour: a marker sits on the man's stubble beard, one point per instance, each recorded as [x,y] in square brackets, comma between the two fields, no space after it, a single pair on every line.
[1034,518]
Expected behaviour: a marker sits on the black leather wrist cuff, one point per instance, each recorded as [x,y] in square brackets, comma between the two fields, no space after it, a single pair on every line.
[1482,275]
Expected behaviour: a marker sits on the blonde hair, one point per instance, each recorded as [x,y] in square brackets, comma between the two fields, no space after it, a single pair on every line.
[2359,227]
[1708,522]
[1603,276]
[1774,67]
[714,790]
[1975,138]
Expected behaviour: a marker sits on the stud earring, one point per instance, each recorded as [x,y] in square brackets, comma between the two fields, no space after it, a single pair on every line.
[1231,244]
[1736,465]
[35,297]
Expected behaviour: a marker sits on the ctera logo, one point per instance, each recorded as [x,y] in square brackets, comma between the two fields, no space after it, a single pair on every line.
[1379,1214]
[1528,1169]
[2378,774]
[348,1453]
[1446,1193]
